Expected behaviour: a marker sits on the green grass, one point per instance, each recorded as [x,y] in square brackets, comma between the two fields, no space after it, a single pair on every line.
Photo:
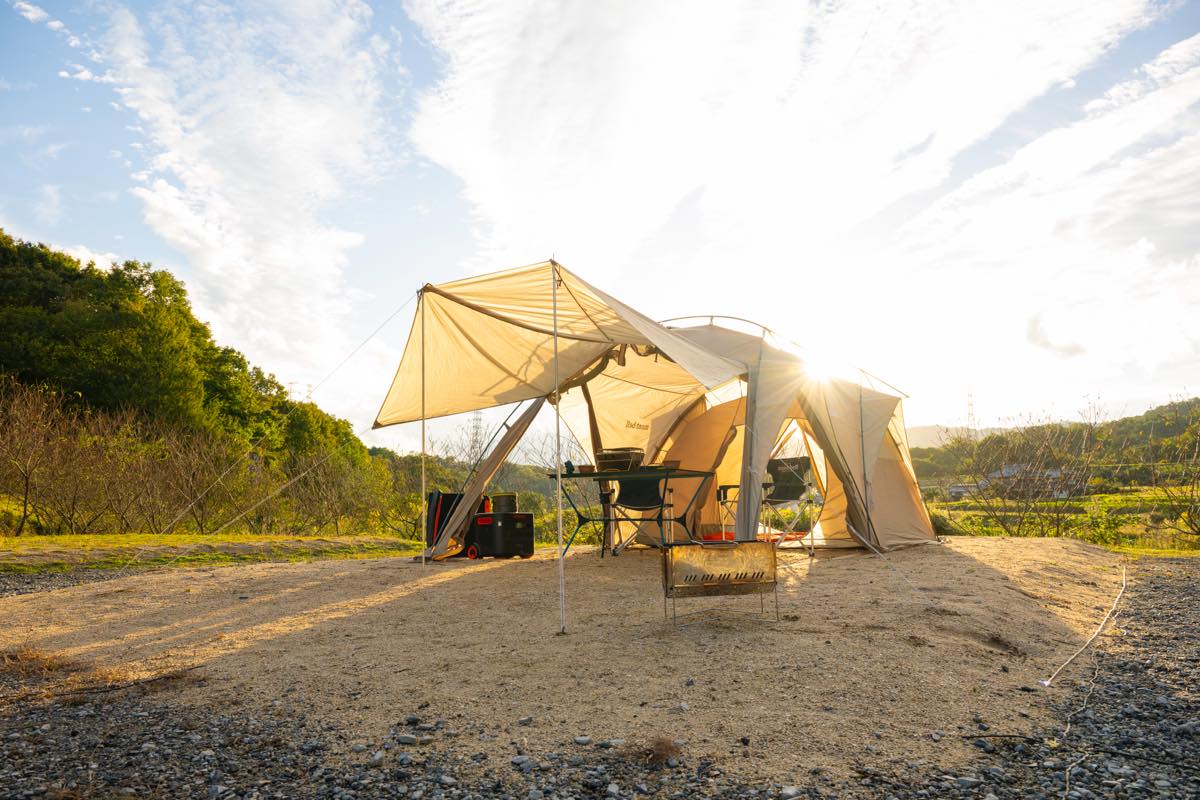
[35,554]
[1123,522]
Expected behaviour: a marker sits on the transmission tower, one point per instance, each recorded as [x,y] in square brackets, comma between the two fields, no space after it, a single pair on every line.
[477,440]
[972,426]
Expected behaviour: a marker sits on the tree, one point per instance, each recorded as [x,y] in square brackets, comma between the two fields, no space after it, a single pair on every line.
[29,419]
[1177,477]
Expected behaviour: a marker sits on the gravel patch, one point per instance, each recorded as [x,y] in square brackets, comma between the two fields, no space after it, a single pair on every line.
[13,583]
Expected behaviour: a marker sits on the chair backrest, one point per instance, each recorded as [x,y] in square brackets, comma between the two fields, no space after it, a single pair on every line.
[792,479]
[641,494]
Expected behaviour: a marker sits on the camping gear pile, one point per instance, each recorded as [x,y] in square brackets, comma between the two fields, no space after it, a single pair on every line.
[496,530]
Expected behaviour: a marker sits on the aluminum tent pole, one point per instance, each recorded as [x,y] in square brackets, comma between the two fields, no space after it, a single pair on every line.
[562,574]
[862,449]
[424,492]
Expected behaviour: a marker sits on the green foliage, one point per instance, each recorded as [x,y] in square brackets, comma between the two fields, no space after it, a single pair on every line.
[124,338]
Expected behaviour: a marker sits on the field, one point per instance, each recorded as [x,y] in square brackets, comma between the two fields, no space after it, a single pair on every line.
[1132,522]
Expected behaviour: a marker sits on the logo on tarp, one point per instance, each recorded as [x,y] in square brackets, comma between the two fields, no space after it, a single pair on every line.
[637,426]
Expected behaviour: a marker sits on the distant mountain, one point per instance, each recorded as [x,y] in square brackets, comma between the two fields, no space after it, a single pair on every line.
[938,435]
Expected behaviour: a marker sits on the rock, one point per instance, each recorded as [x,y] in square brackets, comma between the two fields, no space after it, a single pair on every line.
[447,780]
[613,790]
[406,738]
[937,735]
[583,740]
[358,748]
[525,721]
[789,792]
[967,782]
[985,745]
[745,741]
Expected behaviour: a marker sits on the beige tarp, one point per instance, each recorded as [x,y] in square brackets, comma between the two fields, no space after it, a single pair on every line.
[489,341]
[627,381]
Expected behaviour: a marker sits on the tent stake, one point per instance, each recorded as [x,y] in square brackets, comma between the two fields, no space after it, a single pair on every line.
[562,575]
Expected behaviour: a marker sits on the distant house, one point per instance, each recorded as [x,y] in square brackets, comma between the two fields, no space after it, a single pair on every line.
[961,491]
[1025,480]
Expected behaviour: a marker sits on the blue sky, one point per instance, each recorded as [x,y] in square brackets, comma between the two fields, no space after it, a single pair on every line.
[998,199]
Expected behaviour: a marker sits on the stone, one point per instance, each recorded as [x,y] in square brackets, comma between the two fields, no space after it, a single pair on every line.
[583,740]
[789,792]
[613,790]
[406,738]
[525,721]
[985,745]
[358,748]
[376,759]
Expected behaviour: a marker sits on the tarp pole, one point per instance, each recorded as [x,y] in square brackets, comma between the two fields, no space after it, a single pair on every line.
[862,447]
[424,492]
[562,575]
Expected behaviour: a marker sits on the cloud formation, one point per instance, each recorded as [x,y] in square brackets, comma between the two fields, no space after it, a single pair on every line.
[879,180]
[252,125]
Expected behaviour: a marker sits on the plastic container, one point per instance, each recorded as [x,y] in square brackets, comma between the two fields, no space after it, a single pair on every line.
[504,503]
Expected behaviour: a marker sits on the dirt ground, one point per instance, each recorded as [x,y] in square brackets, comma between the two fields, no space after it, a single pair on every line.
[868,660]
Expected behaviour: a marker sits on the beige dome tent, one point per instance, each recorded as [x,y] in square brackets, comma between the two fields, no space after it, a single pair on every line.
[712,397]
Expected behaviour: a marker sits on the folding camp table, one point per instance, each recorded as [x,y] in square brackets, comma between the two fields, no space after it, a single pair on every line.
[658,516]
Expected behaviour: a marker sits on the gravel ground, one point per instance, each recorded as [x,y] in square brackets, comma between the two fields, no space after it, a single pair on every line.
[1134,732]
[12,583]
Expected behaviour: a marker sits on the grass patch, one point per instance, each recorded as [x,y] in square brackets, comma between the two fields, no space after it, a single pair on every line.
[28,662]
[40,554]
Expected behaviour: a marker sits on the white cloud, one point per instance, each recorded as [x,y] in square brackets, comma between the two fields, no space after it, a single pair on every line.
[773,161]
[87,255]
[30,12]
[252,126]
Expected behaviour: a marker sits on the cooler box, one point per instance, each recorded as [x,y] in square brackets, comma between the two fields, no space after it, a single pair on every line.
[502,535]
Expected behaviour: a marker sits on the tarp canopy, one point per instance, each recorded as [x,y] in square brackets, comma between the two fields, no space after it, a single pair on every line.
[712,397]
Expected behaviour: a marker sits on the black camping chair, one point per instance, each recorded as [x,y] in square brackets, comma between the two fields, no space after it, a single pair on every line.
[640,494]
[791,482]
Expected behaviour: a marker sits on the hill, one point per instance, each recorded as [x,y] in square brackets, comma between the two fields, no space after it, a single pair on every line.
[1124,450]
[120,413]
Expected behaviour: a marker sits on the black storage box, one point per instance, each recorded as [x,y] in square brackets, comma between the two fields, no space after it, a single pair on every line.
[501,536]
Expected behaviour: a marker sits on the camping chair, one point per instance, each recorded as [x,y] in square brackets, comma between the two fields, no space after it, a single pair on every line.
[727,501]
[640,494]
[791,482]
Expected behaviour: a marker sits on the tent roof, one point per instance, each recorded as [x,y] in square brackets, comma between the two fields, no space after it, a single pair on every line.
[489,340]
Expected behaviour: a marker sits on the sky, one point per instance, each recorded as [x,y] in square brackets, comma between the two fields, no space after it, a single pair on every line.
[978,202]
